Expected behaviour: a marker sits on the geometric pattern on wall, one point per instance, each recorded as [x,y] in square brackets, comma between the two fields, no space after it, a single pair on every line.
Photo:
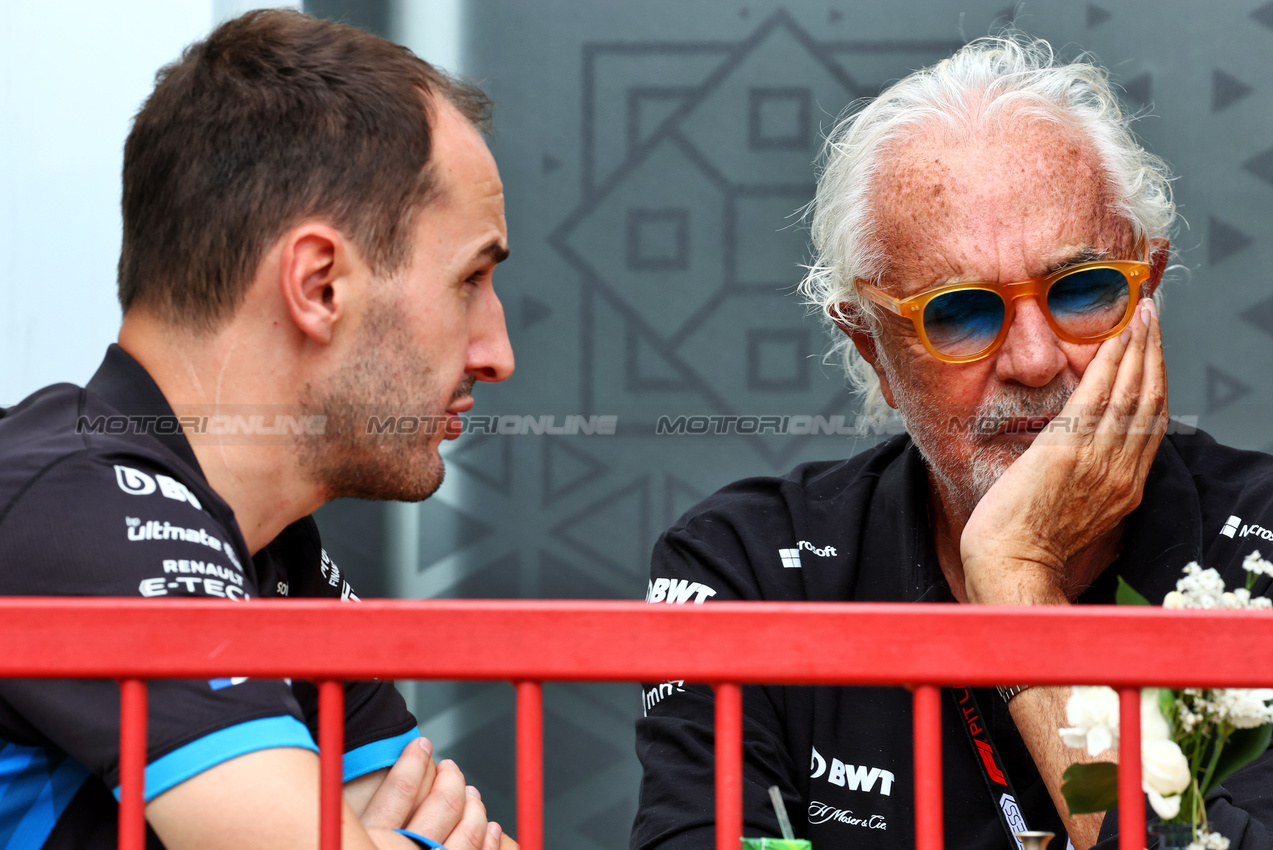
[704,210]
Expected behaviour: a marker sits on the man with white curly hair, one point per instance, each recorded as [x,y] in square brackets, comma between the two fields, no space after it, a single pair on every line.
[989,240]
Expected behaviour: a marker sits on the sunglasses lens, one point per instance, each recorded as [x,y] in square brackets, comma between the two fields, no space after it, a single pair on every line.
[964,322]
[1089,303]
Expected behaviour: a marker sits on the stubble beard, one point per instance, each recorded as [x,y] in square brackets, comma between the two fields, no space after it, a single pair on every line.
[964,477]
[380,376]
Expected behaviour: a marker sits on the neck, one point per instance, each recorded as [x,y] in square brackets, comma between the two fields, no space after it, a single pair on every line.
[948,515]
[256,471]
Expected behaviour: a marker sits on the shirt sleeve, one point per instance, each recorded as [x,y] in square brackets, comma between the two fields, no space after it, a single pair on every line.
[125,526]
[675,737]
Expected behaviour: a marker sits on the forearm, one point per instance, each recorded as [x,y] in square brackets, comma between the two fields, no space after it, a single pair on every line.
[1038,713]
[265,799]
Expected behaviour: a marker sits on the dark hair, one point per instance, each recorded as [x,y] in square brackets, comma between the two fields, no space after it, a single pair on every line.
[274,118]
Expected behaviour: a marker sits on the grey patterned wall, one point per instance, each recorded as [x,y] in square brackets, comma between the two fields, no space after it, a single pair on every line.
[653,155]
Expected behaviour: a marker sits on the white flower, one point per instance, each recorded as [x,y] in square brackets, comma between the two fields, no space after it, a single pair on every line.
[1200,588]
[1245,708]
[1174,599]
[1164,774]
[1093,716]
[1209,841]
[1153,726]
[1166,807]
[1253,563]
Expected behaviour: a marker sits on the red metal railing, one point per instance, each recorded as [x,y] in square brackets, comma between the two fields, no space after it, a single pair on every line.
[726,644]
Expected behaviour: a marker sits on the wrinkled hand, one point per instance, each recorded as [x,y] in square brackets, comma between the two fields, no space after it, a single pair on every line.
[430,800]
[1079,478]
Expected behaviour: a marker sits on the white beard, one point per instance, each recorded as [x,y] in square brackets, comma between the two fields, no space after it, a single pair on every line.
[966,477]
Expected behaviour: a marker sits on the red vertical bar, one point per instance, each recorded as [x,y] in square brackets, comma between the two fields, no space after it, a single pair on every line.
[132,764]
[729,766]
[530,765]
[331,756]
[928,793]
[1131,800]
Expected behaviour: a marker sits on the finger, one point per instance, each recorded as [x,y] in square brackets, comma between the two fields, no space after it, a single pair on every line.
[391,805]
[472,832]
[494,837]
[426,785]
[1126,394]
[443,807]
[507,843]
[1086,404]
[1152,416]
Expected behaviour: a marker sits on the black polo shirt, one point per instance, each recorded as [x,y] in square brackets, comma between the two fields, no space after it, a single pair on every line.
[101,495]
[858,530]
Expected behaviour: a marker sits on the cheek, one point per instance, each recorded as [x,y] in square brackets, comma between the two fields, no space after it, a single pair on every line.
[1079,357]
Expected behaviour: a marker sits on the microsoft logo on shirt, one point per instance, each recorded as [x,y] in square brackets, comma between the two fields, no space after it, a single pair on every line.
[790,558]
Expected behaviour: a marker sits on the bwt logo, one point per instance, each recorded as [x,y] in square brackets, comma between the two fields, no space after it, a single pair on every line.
[854,777]
[134,482]
[676,591]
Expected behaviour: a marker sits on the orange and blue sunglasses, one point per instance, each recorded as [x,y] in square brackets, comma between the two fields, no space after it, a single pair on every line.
[962,322]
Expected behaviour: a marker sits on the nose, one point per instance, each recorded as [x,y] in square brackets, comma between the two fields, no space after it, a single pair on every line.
[1031,354]
[490,352]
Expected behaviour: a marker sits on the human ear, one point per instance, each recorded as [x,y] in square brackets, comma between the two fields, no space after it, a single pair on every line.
[867,346]
[1159,254]
[313,264]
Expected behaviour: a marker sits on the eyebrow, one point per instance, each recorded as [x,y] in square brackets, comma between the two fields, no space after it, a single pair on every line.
[494,253]
[1087,255]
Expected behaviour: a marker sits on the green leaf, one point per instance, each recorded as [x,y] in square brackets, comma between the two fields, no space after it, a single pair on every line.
[1091,787]
[1128,595]
[1167,706]
[1244,746]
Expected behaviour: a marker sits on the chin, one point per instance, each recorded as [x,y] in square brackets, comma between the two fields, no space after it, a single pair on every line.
[411,477]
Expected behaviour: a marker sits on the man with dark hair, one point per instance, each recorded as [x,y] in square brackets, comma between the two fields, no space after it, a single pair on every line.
[311,224]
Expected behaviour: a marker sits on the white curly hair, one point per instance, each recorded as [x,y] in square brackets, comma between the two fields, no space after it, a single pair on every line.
[982,82]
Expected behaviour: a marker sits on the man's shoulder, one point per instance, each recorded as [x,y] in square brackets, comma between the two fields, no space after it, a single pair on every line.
[814,485]
[36,433]
[98,511]
[1206,456]
[62,443]
[1223,475]
[1234,486]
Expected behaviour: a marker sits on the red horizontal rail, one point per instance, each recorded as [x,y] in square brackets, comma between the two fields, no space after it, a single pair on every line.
[724,643]
[778,643]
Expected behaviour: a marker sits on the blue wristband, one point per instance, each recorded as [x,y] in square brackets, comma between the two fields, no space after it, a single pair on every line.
[421,840]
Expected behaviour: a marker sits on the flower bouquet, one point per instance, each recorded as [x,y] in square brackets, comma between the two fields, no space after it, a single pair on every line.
[1192,739]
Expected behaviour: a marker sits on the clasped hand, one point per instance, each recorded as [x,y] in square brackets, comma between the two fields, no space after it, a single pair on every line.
[431,800]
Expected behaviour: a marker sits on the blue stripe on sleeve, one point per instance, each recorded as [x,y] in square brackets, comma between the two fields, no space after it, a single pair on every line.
[210,750]
[377,754]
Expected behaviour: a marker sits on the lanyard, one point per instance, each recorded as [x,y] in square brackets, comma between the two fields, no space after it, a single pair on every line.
[984,753]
